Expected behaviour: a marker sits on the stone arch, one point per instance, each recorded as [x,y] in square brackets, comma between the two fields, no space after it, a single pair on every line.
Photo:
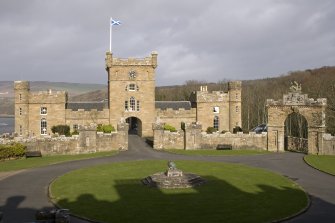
[135,125]
[295,101]
[296,133]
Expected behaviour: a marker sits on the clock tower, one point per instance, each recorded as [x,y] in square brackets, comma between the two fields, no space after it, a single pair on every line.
[131,92]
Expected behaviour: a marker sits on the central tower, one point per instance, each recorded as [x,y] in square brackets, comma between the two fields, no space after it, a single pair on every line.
[131,91]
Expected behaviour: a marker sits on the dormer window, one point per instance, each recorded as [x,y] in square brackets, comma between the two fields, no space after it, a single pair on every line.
[44,110]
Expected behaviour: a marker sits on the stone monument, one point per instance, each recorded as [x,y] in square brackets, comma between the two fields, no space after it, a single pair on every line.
[173,178]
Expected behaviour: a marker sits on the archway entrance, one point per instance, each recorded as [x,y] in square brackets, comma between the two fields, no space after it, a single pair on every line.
[296,133]
[286,113]
[135,126]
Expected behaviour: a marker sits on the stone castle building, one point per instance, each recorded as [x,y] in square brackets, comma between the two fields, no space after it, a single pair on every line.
[131,98]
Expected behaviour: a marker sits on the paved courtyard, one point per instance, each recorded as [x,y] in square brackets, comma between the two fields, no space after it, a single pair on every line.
[24,192]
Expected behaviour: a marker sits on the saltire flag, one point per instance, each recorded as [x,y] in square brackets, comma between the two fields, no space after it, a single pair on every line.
[115,22]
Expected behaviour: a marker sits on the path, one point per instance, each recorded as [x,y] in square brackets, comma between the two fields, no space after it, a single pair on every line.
[25,192]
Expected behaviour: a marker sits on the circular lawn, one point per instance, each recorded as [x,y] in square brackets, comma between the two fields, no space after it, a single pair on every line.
[233,193]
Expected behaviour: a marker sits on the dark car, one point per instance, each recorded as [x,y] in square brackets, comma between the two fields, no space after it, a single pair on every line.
[260,128]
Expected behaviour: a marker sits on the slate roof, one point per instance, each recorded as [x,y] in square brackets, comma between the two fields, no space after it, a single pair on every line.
[175,105]
[74,106]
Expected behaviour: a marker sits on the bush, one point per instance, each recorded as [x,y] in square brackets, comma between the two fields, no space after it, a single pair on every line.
[61,130]
[99,128]
[170,128]
[237,129]
[15,150]
[75,132]
[108,128]
[210,130]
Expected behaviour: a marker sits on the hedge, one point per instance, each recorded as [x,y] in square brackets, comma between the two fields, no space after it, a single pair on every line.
[170,128]
[105,128]
[15,150]
[61,130]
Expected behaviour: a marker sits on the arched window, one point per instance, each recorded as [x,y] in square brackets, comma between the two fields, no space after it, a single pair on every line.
[44,126]
[216,122]
[132,103]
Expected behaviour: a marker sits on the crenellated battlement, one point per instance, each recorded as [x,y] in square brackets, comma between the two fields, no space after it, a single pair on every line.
[147,61]
[214,96]
[21,85]
[48,97]
[234,85]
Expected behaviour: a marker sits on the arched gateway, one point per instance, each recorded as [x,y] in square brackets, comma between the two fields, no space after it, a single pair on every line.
[299,104]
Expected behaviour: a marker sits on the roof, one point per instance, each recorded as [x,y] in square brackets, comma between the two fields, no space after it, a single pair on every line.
[175,105]
[87,106]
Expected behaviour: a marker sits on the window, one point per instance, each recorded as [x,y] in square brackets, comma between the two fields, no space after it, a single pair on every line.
[236,96]
[132,104]
[44,110]
[237,109]
[216,122]
[126,105]
[20,97]
[20,130]
[138,106]
[44,126]
[131,87]
[20,111]
[75,127]
[216,109]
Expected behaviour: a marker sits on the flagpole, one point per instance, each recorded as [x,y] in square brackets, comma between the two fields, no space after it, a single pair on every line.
[110,35]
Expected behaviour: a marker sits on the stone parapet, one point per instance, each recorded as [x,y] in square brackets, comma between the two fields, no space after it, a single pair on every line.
[147,61]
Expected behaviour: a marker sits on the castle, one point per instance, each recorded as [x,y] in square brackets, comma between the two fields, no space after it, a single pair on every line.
[131,98]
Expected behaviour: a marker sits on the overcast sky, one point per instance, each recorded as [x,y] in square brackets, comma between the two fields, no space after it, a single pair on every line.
[208,40]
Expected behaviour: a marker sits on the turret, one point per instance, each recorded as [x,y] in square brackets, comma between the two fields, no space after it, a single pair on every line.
[21,91]
[235,113]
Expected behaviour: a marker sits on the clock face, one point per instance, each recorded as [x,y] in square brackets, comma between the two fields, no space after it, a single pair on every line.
[132,74]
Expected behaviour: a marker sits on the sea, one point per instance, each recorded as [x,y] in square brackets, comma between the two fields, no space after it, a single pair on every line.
[7,125]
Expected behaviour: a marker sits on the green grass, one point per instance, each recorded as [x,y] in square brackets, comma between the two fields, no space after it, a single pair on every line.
[233,193]
[208,152]
[322,162]
[24,163]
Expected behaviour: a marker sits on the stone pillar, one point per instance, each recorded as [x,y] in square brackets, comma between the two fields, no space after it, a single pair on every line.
[276,139]
[192,135]
[158,129]
[122,131]
[88,137]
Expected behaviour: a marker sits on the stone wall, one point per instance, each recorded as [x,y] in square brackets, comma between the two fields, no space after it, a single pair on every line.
[176,117]
[168,140]
[238,141]
[88,141]
[82,117]
[193,138]
[328,144]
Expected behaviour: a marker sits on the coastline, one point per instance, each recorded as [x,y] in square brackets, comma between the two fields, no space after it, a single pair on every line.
[6,116]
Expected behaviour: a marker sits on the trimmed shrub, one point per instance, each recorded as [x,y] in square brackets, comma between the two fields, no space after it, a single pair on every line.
[15,150]
[75,132]
[61,130]
[210,130]
[108,128]
[99,128]
[169,128]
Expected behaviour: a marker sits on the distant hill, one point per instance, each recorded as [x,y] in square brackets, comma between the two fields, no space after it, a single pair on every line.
[7,87]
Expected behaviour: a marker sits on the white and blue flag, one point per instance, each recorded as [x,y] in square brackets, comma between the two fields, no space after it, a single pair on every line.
[115,22]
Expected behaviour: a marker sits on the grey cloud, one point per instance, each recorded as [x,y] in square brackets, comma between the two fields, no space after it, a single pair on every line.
[203,40]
